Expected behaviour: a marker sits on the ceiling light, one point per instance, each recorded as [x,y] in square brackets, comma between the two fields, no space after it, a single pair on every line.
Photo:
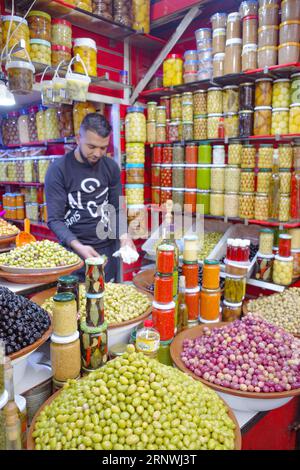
[6,97]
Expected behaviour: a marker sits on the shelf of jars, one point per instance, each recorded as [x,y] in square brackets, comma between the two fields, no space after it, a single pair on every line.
[65,140]
[226,140]
[274,72]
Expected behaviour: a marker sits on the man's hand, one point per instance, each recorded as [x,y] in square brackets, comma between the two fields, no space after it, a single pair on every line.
[126,240]
[84,251]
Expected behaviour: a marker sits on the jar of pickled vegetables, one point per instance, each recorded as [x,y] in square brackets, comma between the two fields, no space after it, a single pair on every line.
[203,199]
[295,205]
[262,120]
[80,110]
[135,125]
[187,130]
[294,119]
[203,177]
[280,121]
[284,208]
[261,208]
[204,153]
[161,115]
[65,120]
[52,128]
[247,181]
[187,112]
[199,100]
[141,15]
[151,110]
[40,123]
[87,50]
[173,70]
[281,93]
[191,153]
[151,131]
[217,203]
[23,126]
[232,179]
[39,25]
[32,129]
[43,164]
[217,178]
[235,288]
[60,54]
[213,124]
[200,127]
[246,96]
[283,270]
[230,99]
[248,156]
[235,153]
[61,33]
[20,76]
[285,176]
[249,57]
[263,180]
[134,193]
[295,88]
[265,156]
[246,205]
[40,51]
[285,152]
[246,123]
[214,100]
[231,125]
[231,204]
[165,194]
[263,92]
[190,200]
[161,134]
[176,107]
[17,29]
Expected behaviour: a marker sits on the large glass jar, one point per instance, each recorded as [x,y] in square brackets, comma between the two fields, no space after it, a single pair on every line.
[40,51]
[235,153]
[247,181]
[52,128]
[61,33]
[65,357]
[246,123]
[262,120]
[250,27]
[246,205]
[187,130]
[80,110]
[178,176]
[23,127]
[231,204]
[190,176]
[167,154]
[178,198]
[204,153]
[248,156]
[60,54]
[218,64]
[191,154]
[261,208]
[134,193]
[246,96]
[281,93]
[199,100]
[234,27]
[200,127]
[263,180]
[187,112]
[285,176]
[172,70]
[105,8]
[268,14]
[43,164]
[176,107]
[265,156]
[39,25]
[218,41]
[141,16]
[203,198]
[135,125]
[161,134]
[268,36]
[231,125]
[166,176]
[232,179]
[151,110]
[285,152]
[295,88]
[190,200]
[280,121]
[87,50]
[32,129]
[294,120]
[213,125]
[266,56]
[217,178]
[296,156]
[263,92]
[283,270]
[230,99]
[214,100]
[203,177]
[17,29]
[284,208]
[151,131]
[217,203]
[65,120]
[20,76]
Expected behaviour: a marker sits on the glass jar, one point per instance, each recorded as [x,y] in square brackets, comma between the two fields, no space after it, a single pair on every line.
[218,64]
[151,131]
[165,194]
[28,170]
[203,198]
[178,176]
[176,107]
[231,204]
[151,110]
[296,156]
[61,33]
[87,50]
[263,92]
[199,102]
[266,56]
[248,156]
[284,208]
[60,54]
[167,155]
[285,177]
[262,120]
[161,115]
[217,178]
[263,267]
[20,76]
[135,173]
[84,4]
[268,36]
[294,119]
[16,28]
[172,70]
[249,57]
[217,203]
[52,128]
[290,9]
[218,40]
[263,180]
[200,127]
[283,270]
[231,312]
[218,20]
[187,130]
[289,31]
[141,16]
[246,205]
[65,120]
[155,195]
[135,153]
[65,356]
[261,208]
[43,164]
[295,88]
[233,56]
[231,125]
[247,181]
[231,99]
[161,134]
[135,125]
[39,25]
[203,177]
[166,176]
[122,11]
[246,123]
[281,94]
[295,198]
[23,127]
[265,156]
[210,305]
[155,175]
[235,150]
[190,176]
[40,51]
[134,193]
[191,154]
[32,211]
[280,121]
[204,154]
[187,112]
[235,288]
[64,316]
[266,241]
[250,27]
[213,125]
[157,152]
[285,153]
[32,129]
[214,100]
[218,155]
[190,200]
[232,179]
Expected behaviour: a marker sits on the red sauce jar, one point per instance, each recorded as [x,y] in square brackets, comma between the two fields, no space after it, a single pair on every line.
[163,317]
[192,303]
[167,154]
[165,259]
[157,153]
[191,272]
[155,195]
[155,175]
[190,176]
[190,200]
[211,274]
[285,245]
[191,154]
[295,195]
[163,289]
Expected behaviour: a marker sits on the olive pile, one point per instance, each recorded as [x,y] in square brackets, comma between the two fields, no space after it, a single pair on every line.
[135,403]
[21,321]
[7,229]
[43,254]
[121,302]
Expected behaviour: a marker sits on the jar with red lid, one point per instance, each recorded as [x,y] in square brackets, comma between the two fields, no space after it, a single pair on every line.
[210,305]
[285,245]
[165,259]
[166,176]
[190,200]
[157,153]
[165,194]
[192,303]
[163,288]
[61,34]
[166,101]
[163,317]
[190,176]
[155,175]
[191,154]
[59,54]
[167,154]
[155,195]
[295,195]
[211,274]
[191,273]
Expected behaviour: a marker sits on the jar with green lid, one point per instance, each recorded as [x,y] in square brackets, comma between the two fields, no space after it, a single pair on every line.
[117,350]
[204,153]
[232,178]
[217,203]
[248,156]
[235,288]
[69,284]
[203,198]
[265,156]
[203,177]
[266,241]
[231,204]
[65,356]
[235,149]
[64,314]
[247,181]
[263,180]
[285,177]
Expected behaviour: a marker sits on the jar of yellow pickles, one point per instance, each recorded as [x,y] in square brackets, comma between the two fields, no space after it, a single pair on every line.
[265,156]
[214,100]
[176,107]
[40,123]
[247,181]
[52,127]
[281,93]
[80,110]
[173,70]
[294,120]
[261,208]
[263,180]
[246,205]
[285,177]
[141,15]
[18,29]
[283,270]
[135,125]
[135,153]
[285,152]
[280,121]
[231,125]
[284,208]
[217,203]
[213,123]
[248,156]
[87,50]
[235,150]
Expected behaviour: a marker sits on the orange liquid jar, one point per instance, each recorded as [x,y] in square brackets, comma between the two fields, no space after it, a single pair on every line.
[163,289]
[190,271]
[210,305]
[192,303]
[211,274]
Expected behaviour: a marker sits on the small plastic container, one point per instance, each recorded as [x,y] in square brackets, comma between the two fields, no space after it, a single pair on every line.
[288,53]
[87,50]
[268,15]
[77,86]
[268,36]
[289,31]
[203,34]
[233,56]
[290,9]
[20,76]
[266,56]
[218,20]
[249,57]
[218,65]
[173,70]
[190,55]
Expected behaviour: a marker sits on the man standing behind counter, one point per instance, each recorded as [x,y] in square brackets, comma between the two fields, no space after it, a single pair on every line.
[82,194]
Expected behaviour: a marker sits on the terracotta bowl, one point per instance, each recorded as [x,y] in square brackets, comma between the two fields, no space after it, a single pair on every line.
[39,278]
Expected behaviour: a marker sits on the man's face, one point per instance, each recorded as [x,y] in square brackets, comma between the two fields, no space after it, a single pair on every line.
[92,146]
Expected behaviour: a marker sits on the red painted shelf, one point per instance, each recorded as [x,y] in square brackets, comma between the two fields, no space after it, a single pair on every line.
[67,140]
[16,183]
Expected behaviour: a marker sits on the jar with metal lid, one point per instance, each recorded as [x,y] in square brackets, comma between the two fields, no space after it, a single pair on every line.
[172,70]
[233,56]
[200,127]
[263,180]
[268,36]
[231,204]
[263,92]
[104,8]
[233,27]
[218,40]
[230,99]
[294,119]
[246,118]
[203,199]
[235,153]
[214,100]
[210,300]
[283,270]
[178,176]
[135,173]
[268,14]
[135,125]
[218,64]
[246,205]
[248,156]
[265,156]
[86,48]
[249,57]
[65,356]
[61,33]
[190,200]
[261,208]
[213,125]
[285,176]
[231,125]
[161,134]
[203,177]
[217,203]
[281,93]
[231,311]
[39,25]
[69,284]
[232,179]
[285,152]
[262,120]
[191,154]
[250,25]
[15,29]
[284,208]
[280,121]
[60,54]
[23,127]
[166,101]
[217,178]
[187,130]
[247,181]
[199,102]
[151,110]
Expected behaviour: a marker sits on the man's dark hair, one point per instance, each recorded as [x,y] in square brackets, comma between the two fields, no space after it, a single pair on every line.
[97,123]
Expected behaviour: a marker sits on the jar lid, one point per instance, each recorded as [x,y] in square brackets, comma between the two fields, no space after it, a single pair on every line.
[265,170]
[200,116]
[20,64]
[246,111]
[285,170]
[203,165]
[201,91]
[3,399]
[88,42]
[233,16]
[174,56]
[214,88]
[42,42]
[202,191]
[191,190]
[60,21]
[136,165]
[280,109]
[284,258]
[232,42]
[202,29]
[166,247]
[164,125]
[192,61]
[219,56]
[139,206]
[182,190]
[285,236]
[68,279]
[135,109]
[214,115]
[250,17]
[134,186]
[258,108]
[249,48]
[282,80]
[64,339]
[247,84]
[39,13]
[217,192]
[165,189]
[262,194]
[264,80]
[230,87]
[229,304]
[294,44]
[55,47]
[230,114]
[218,165]
[190,51]
[159,306]
[231,194]
[266,230]
[219,32]
[246,194]
[16,19]
[294,105]
[218,15]
[96,261]
[151,102]
[195,290]
[211,262]
[188,122]
[260,255]
[64,297]
[219,146]
[295,251]
[161,107]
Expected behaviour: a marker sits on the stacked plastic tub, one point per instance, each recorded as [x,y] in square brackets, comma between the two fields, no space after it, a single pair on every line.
[205,53]
[289,32]
[233,46]
[268,15]
[218,21]
[248,12]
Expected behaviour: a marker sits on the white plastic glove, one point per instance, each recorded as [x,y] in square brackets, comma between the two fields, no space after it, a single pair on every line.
[127,254]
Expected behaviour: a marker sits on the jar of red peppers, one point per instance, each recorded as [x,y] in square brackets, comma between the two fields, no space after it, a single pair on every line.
[167,154]
[155,175]
[190,200]
[192,303]
[163,289]
[191,273]
[157,152]
[285,245]
[166,101]
[165,194]
[166,176]
[295,195]
[163,317]
[155,195]
[190,176]
[165,259]
[191,154]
